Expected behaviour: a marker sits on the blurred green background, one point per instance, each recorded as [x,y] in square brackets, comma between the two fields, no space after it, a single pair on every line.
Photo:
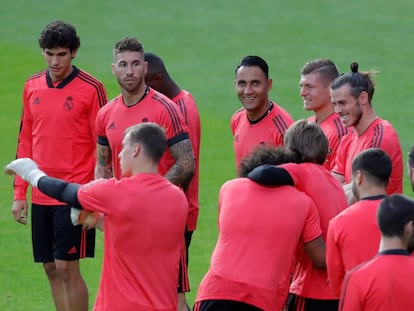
[201,43]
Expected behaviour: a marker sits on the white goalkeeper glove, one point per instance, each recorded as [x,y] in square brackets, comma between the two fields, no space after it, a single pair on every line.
[27,169]
[80,216]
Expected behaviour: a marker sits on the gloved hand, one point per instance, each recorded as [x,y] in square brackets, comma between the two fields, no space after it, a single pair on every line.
[26,168]
[86,219]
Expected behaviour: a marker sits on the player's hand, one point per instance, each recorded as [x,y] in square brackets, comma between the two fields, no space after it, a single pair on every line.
[20,211]
[26,168]
[87,219]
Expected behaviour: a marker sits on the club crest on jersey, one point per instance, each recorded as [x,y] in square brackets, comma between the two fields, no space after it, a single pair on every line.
[68,104]
[144,120]
[36,101]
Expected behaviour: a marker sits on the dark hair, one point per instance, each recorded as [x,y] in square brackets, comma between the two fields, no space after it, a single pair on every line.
[254,61]
[59,34]
[128,44]
[326,68]
[411,156]
[308,141]
[151,136]
[264,154]
[358,82]
[375,164]
[155,63]
[394,212]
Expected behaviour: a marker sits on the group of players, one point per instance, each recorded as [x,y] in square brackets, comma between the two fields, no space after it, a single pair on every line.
[301,185]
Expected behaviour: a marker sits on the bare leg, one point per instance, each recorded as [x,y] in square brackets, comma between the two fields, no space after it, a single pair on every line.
[75,286]
[57,287]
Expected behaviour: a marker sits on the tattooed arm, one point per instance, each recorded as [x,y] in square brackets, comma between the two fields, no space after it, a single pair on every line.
[183,169]
[103,167]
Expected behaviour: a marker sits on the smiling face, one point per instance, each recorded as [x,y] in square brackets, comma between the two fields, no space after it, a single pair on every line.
[346,106]
[314,91]
[59,62]
[253,88]
[130,68]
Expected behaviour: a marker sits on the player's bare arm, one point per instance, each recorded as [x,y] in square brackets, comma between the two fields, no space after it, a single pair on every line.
[103,168]
[316,252]
[183,169]
[20,211]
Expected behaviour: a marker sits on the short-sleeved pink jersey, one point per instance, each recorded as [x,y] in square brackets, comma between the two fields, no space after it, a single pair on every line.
[329,197]
[115,117]
[334,129]
[353,237]
[57,129]
[268,131]
[384,283]
[145,218]
[379,134]
[189,110]
[259,231]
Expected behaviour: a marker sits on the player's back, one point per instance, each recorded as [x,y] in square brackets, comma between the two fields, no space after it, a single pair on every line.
[327,193]
[260,228]
[145,218]
[381,284]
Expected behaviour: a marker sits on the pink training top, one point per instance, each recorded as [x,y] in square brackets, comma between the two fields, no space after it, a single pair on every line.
[57,129]
[259,230]
[268,131]
[144,222]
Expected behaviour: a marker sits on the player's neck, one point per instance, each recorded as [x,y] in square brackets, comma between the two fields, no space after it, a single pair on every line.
[131,99]
[365,122]
[388,243]
[324,113]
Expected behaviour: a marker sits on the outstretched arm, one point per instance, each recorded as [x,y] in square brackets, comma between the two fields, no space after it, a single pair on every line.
[271,175]
[56,188]
[60,190]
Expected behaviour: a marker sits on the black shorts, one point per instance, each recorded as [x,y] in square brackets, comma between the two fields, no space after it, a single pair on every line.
[297,303]
[223,305]
[55,237]
[183,282]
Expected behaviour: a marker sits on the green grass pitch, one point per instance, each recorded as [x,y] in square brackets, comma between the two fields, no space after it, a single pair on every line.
[201,43]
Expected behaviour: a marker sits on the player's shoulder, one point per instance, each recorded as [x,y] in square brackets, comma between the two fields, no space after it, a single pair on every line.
[110,105]
[158,98]
[41,75]
[280,110]
[87,77]
[239,113]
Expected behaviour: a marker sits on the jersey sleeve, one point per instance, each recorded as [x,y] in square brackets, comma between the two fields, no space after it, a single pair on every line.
[390,144]
[340,160]
[92,194]
[98,100]
[334,263]
[24,145]
[174,124]
[312,228]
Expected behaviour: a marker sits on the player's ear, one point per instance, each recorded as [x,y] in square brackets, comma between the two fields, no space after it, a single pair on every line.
[363,97]
[73,53]
[136,150]
[269,84]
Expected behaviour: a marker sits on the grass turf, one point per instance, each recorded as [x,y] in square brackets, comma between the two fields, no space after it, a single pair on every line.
[201,43]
